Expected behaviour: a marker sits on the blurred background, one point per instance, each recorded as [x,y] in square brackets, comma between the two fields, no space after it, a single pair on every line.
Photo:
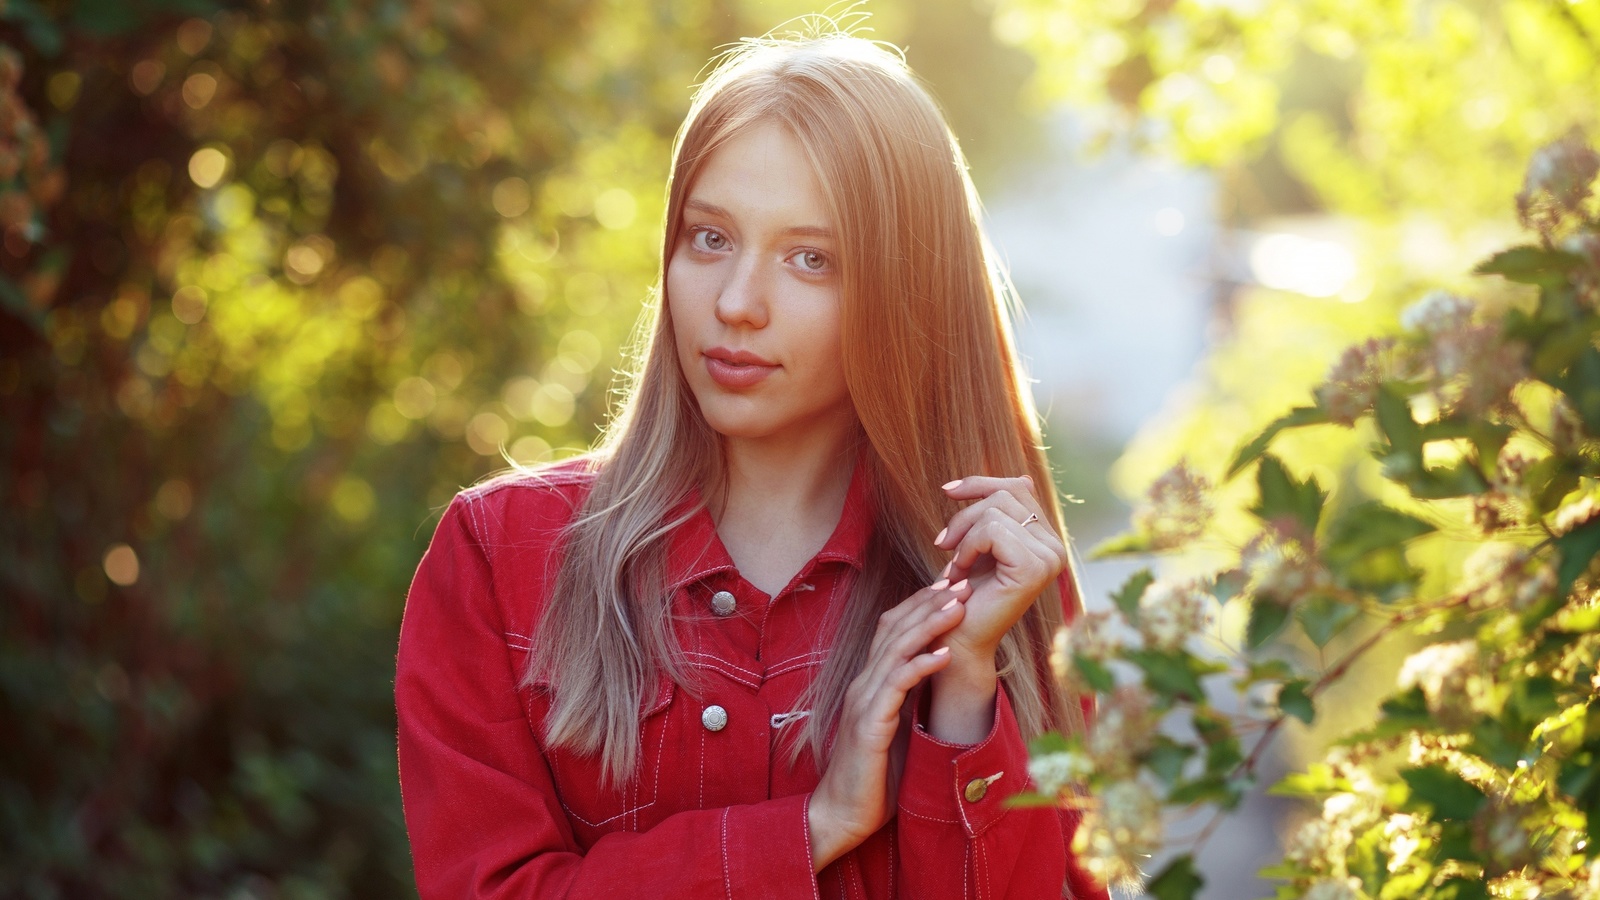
[278,277]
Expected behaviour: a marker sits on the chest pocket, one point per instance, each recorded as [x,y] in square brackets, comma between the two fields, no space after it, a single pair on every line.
[593,810]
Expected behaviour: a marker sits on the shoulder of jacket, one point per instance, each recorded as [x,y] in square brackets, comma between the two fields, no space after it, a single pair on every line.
[552,490]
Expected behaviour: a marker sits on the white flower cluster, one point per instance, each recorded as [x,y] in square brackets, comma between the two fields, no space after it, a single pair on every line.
[1506,573]
[1557,182]
[1120,832]
[1574,514]
[1449,676]
[1177,508]
[1123,729]
[1334,889]
[1054,774]
[1279,572]
[1169,612]
[1436,313]
[1351,387]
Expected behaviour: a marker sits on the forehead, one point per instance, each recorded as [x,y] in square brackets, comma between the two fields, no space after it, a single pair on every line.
[763,173]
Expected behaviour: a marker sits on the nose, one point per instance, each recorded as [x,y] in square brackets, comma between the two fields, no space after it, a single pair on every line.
[743,298]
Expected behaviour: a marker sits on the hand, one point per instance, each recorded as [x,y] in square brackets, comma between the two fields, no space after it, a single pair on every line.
[857,793]
[1008,563]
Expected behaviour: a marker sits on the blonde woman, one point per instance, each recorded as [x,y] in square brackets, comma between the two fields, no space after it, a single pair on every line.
[785,633]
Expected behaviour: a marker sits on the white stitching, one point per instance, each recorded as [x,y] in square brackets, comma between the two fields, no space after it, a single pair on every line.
[915,815]
[727,877]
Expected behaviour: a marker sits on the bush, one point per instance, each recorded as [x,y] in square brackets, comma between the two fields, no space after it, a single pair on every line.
[1481,774]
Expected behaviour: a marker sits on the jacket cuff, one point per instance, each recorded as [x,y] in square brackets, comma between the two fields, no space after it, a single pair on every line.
[965,783]
[766,850]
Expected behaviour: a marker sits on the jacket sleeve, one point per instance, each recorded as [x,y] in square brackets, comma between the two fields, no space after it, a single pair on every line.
[957,838]
[479,799]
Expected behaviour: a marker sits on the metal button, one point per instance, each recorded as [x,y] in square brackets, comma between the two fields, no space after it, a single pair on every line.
[715,718]
[723,603]
[976,789]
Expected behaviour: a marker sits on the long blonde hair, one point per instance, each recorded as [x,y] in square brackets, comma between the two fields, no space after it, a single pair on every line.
[931,368]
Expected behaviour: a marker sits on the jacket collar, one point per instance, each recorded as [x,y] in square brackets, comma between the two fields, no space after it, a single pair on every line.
[696,552]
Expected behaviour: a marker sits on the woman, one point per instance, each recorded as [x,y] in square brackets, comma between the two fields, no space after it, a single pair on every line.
[751,647]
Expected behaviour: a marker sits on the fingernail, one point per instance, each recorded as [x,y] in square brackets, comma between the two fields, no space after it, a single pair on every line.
[952,484]
[959,585]
[954,602]
[939,585]
[942,651]
[945,572]
[942,533]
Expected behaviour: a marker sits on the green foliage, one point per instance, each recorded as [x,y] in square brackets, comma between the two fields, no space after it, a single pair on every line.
[276,279]
[1479,776]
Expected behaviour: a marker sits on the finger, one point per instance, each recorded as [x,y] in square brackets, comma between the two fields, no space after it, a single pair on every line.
[1020,555]
[878,705]
[1002,500]
[976,487]
[915,631]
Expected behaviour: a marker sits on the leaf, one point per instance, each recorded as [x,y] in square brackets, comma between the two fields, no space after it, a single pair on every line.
[1582,386]
[1547,481]
[1323,617]
[1370,526]
[1445,791]
[1462,889]
[1128,543]
[1577,548]
[1397,425]
[1166,759]
[1029,800]
[1295,418]
[1282,496]
[1266,618]
[1049,742]
[1178,881]
[1127,597]
[1529,264]
[1294,701]
[1229,584]
[1176,674]
[1095,675]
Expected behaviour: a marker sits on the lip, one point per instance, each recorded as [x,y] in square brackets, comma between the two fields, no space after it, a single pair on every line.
[737,369]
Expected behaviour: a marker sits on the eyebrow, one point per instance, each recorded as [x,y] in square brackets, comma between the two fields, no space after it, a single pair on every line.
[712,209]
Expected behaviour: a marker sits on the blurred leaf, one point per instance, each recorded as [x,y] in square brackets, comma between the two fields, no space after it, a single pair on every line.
[1295,418]
[1127,596]
[1282,496]
[1167,757]
[1266,619]
[1324,616]
[1177,880]
[1449,796]
[1175,673]
[1577,549]
[1095,675]
[1294,701]
[1462,889]
[1368,527]
[1530,264]
[1125,544]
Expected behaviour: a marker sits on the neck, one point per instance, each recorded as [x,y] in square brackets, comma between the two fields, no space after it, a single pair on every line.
[781,501]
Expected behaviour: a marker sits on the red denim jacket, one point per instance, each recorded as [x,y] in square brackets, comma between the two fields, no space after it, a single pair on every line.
[716,810]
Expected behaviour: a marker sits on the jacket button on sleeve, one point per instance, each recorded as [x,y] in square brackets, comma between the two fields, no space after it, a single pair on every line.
[715,718]
[723,603]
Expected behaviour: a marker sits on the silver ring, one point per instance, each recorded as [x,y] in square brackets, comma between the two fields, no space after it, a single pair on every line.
[1032,518]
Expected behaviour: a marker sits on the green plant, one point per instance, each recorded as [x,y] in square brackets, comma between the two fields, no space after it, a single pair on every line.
[1481,775]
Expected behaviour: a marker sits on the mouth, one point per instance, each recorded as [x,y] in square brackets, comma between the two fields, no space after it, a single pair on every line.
[737,369]
[738,357]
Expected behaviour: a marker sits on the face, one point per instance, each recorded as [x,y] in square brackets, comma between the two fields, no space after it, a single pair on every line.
[753,291]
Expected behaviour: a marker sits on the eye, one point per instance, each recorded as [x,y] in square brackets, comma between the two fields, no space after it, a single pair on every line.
[707,240]
[812,260]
